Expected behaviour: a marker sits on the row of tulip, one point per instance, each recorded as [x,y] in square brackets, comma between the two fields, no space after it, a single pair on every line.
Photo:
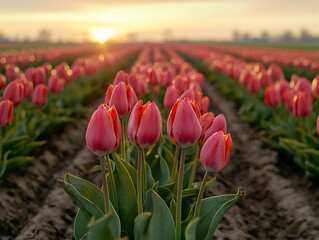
[26,57]
[287,112]
[287,57]
[30,106]
[148,191]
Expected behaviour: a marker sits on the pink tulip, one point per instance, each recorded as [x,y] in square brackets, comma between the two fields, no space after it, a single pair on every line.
[145,124]
[156,90]
[122,97]
[47,68]
[28,87]
[170,97]
[206,120]
[121,76]
[253,84]
[29,74]
[302,104]
[188,94]
[153,77]
[272,96]
[2,81]
[216,151]
[39,76]
[179,83]
[14,92]
[168,77]
[263,78]
[104,134]
[281,86]
[6,113]
[275,72]
[315,86]
[288,97]
[294,80]
[219,124]
[56,84]
[12,71]
[40,95]
[183,126]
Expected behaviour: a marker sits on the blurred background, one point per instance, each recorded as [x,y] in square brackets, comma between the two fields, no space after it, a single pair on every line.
[252,22]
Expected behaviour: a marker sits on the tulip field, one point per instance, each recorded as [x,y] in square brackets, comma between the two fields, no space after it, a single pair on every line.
[159,141]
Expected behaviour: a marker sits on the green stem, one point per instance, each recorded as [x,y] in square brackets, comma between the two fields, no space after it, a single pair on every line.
[105,187]
[179,195]
[109,166]
[123,139]
[139,181]
[190,183]
[144,179]
[174,171]
[303,135]
[200,195]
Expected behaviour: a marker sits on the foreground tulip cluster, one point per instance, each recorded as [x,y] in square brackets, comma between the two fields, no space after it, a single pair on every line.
[286,109]
[143,194]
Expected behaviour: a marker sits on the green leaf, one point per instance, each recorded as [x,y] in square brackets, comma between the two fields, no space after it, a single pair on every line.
[15,162]
[81,223]
[84,203]
[190,232]
[158,224]
[126,196]
[106,228]
[212,211]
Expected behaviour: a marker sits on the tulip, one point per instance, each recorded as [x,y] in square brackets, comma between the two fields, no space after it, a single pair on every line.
[263,78]
[294,80]
[288,97]
[275,72]
[190,94]
[272,96]
[14,92]
[40,95]
[183,126]
[29,74]
[121,76]
[153,77]
[39,76]
[206,120]
[2,81]
[216,151]
[28,87]
[103,134]
[156,90]
[281,86]
[218,124]
[170,97]
[314,86]
[204,105]
[214,156]
[179,83]
[12,71]
[6,113]
[253,84]
[47,68]
[302,104]
[168,77]
[122,97]
[145,124]
[56,84]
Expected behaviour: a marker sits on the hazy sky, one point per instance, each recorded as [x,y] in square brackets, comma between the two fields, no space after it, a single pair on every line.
[79,19]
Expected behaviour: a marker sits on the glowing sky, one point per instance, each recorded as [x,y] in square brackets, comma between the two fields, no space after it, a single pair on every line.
[195,20]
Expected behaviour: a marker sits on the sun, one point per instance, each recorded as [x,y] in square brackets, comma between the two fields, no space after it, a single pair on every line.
[102,35]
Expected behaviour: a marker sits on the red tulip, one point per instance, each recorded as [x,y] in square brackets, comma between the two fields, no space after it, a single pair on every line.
[14,92]
[168,77]
[170,97]
[6,113]
[206,120]
[29,74]
[188,94]
[294,80]
[204,105]
[288,97]
[145,124]
[122,97]
[40,95]
[12,71]
[272,96]
[39,76]
[253,84]
[216,151]
[263,78]
[104,134]
[28,87]
[47,68]
[302,104]
[2,81]
[275,72]
[121,76]
[219,124]
[179,83]
[183,126]
[56,84]
[153,77]
[281,86]
[304,85]
[315,86]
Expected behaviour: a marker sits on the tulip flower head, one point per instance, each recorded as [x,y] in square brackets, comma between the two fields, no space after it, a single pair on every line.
[170,97]
[272,96]
[145,124]
[216,151]
[104,134]
[6,113]
[183,126]
[302,104]
[2,81]
[121,76]
[14,92]
[40,95]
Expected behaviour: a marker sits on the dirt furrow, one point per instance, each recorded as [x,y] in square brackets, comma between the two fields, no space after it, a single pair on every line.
[276,206]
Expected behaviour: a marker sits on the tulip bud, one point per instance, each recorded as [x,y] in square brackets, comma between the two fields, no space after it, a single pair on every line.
[179,83]
[121,76]
[47,68]
[170,97]
[6,113]
[2,81]
[281,86]
[206,120]
[39,76]
[272,96]
[28,87]
[40,95]
[275,72]
[168,77]
[302,104]
[216,151]
[12,71]
[315,86]
[288,97]
[122,97]
[204,105]
[253,84]
[104,134]
[183,126]
[188,94]
[153,77]
[218,124]
[145,124]
[14,92]
[56,84]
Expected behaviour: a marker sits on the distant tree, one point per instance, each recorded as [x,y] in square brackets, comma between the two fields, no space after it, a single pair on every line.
[44,35]
[247,37]
[306,36]
[287,37]
[265,37]
[236,36]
